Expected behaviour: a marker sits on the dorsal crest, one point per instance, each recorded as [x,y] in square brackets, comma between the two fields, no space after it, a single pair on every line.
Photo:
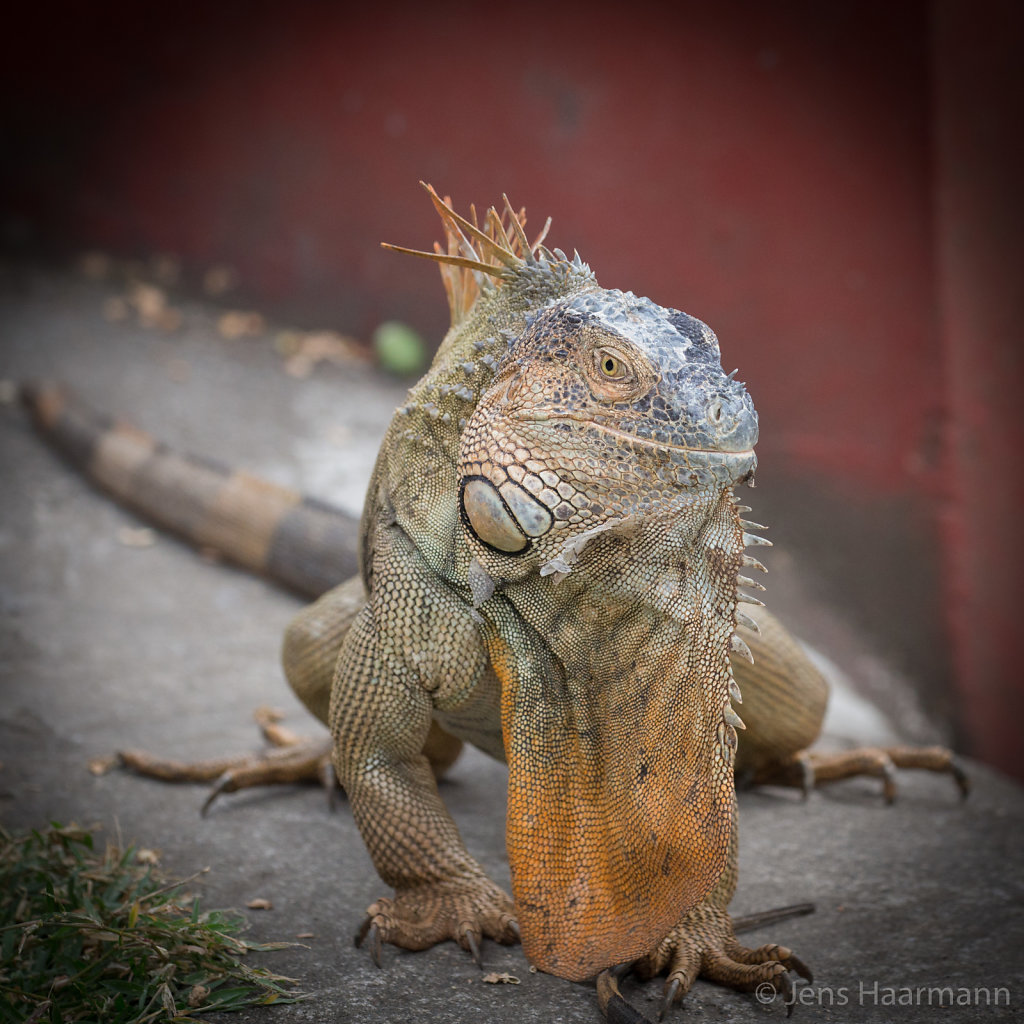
[479,256]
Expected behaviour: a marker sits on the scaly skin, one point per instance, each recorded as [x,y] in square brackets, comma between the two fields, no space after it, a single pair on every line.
[549,559]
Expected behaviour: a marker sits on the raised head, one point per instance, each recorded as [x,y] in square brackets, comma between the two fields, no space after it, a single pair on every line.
[607,407]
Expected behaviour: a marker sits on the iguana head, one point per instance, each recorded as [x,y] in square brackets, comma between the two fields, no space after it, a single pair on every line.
[606,407]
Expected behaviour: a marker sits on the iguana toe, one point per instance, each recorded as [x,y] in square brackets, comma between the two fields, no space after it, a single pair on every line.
[306,762]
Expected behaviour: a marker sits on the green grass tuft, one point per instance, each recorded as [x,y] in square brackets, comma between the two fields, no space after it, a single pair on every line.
[96,936]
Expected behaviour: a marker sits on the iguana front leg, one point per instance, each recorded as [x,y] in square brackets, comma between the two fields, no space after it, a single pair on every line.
[396,661]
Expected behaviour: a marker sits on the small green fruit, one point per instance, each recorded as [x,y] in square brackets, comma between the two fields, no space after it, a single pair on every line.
[400,350]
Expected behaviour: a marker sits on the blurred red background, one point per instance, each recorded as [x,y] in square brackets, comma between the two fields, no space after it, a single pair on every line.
[834,187]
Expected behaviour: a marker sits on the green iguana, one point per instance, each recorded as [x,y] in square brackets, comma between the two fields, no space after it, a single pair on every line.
[549,563]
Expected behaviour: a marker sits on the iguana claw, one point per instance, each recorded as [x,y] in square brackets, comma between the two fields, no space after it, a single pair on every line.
[785,987]
[291,760]
[960,777]
[369,929]
[375,944]
[223,785]
[468,940]
[329,782]
[614,1007]
[796,964]
[807,775]
[671,994]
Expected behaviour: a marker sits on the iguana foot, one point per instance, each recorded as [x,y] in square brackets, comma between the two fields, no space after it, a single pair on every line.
[811,768]
[465,910]
[292,759]
[703,945]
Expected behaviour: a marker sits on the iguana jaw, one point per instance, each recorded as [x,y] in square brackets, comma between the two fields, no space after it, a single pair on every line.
[720,465]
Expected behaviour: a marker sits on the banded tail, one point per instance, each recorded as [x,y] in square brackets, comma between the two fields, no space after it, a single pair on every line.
[301,543]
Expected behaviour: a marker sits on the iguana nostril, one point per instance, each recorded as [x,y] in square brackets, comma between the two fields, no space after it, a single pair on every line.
[731,421]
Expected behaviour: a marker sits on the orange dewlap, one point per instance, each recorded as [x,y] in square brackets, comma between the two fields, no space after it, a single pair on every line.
[619,806]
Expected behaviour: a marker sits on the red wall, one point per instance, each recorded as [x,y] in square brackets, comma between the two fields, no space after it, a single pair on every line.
[979,171]
[761,167]
[771,168]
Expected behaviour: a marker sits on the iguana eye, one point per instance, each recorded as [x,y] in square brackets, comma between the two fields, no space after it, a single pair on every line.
[611,365]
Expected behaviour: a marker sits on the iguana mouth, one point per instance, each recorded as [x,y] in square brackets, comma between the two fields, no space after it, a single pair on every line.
[535,417]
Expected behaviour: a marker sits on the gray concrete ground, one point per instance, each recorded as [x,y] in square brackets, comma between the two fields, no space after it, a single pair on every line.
[105,645]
